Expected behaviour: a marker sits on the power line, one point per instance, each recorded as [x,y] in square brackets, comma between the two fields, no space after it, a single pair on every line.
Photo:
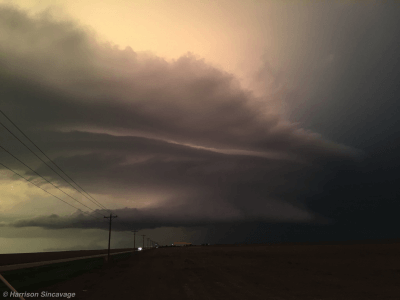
[51,160]
[47,180]
[50,166]
[47,191]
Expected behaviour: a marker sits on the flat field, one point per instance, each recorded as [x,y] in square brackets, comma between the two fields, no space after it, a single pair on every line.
[246,272]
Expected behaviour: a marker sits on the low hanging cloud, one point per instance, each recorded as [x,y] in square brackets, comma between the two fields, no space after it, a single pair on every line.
[124,122]
[172,215]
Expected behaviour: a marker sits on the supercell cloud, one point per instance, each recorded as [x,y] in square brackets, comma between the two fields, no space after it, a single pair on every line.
[126,123]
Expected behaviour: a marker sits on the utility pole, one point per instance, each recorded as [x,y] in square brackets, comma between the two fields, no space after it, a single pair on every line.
[148,243]
[143,235]
[134,240]
[109,236]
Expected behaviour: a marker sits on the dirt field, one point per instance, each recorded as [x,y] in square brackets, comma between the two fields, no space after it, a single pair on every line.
[246,272]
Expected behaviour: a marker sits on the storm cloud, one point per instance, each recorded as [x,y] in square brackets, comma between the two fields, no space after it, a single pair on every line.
[126,123]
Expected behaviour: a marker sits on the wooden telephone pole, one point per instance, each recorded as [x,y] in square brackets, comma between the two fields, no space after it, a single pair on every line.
[109,236]
[143,235]
[134,240]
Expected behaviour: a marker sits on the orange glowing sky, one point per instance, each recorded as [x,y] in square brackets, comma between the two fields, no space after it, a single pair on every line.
[233,35]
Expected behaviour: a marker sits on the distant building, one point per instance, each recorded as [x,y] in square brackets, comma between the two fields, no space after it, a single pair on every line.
[182,244]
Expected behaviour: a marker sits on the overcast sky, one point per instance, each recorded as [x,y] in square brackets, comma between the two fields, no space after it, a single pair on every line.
[200,121]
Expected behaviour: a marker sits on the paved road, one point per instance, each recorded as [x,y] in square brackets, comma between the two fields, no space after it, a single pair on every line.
[49,262]
[22,258]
